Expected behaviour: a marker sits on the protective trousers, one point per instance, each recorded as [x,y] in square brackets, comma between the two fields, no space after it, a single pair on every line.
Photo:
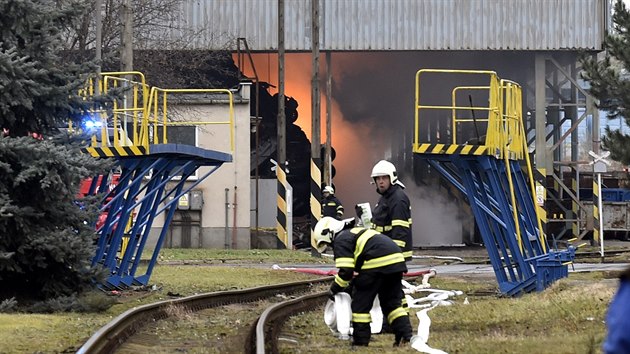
[388,287]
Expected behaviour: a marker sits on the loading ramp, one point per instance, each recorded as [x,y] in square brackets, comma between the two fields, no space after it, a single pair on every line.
[484,154]
[151,174]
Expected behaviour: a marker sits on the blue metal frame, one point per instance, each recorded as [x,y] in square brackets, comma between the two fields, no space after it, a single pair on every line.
[519,267]
[164,162]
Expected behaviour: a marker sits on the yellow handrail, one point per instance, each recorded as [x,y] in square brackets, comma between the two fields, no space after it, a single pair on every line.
[456,121]
[505,132]
[154,104]
[147,103]
[493,131]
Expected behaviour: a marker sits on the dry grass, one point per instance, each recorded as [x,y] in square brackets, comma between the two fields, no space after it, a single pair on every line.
[66,332]
[566,318]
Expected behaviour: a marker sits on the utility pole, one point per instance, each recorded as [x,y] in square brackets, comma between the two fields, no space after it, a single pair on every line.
[328,157]
[283,209]
[282,123]
[126,52]
[126,56]
[98,19]
[315,111]
[316,175]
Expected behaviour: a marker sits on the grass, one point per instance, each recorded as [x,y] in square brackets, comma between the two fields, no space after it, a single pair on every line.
[243,256]
[65,332]
[566,318]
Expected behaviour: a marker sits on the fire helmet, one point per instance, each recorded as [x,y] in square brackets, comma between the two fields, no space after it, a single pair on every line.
[325,231]
[386,168]
[329,189]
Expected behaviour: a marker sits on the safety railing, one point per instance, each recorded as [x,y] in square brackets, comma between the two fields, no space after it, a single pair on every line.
[517,146]
[128,106]
[158,113]
[502,115]
[504,135]
[135,91]
[136,118]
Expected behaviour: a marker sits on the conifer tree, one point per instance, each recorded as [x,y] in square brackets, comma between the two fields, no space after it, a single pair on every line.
[46,237]
[609,80]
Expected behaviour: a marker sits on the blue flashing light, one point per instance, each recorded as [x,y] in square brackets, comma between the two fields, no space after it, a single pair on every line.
[92,124]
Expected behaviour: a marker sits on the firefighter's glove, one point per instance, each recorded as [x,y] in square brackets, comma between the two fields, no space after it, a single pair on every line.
[334,289]
[358,210]
[331,295]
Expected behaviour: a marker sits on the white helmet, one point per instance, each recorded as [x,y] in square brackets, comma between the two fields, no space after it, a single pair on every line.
[329,189]
[325,231]
[386,168]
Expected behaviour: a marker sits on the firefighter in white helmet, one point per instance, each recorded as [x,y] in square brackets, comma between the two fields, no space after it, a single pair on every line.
[392,214]
[380,266]
[331,205]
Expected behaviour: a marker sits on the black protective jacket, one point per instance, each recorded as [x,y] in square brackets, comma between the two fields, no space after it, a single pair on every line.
[392,217]
[363,250]
[331,206]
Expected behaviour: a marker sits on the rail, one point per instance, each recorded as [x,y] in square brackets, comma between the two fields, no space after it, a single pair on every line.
[273,318]
[111,336]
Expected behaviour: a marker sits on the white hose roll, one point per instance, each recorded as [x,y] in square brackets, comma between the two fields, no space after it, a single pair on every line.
[343,312]
[377,317]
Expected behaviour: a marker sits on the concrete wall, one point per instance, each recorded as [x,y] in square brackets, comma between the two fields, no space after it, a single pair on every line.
[212,227]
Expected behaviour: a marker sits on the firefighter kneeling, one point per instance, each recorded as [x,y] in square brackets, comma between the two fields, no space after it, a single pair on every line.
[380,266]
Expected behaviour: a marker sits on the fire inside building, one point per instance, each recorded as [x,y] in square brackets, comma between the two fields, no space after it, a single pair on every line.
[373,103]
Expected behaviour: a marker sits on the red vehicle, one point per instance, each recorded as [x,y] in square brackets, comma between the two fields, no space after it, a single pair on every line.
[84,190]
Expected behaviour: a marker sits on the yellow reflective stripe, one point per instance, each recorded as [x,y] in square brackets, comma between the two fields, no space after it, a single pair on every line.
[400,243]
[405,305]
[383,228]
[407,254]
[344,262]
[361,241]
[398,222]
[384,261]
[361,317]
[340,207]
[410,222]
[398,312]
[342,283]
[331,204]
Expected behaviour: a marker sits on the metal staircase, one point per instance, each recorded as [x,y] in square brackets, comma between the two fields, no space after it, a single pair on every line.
[146,165]
[494,172]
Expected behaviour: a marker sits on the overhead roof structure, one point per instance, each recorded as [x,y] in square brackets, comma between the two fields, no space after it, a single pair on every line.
[400,25]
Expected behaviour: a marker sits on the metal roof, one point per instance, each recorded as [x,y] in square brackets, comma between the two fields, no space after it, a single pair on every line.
[359,25]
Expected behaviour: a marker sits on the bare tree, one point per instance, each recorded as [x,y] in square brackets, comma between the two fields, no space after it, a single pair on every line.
[163,44]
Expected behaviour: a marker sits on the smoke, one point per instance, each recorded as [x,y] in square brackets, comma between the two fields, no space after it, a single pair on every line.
[373,119]
[437,220]
[375,94]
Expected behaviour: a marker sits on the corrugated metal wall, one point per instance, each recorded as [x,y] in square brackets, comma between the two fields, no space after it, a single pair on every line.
[399,24]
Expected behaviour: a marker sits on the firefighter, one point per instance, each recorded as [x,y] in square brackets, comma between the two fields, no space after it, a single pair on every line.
[392,214]
[331,205]
[618,318]
[379,265]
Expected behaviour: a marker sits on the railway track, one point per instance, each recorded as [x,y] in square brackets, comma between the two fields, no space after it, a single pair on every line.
[263,333]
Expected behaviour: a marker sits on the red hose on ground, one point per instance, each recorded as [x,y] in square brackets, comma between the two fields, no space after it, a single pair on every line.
[332,272]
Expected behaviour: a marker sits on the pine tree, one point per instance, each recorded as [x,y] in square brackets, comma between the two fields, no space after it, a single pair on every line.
[46,238]
[609,80]
[39,90]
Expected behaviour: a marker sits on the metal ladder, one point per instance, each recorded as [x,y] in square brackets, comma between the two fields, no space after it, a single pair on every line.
[495,174]
[146,163]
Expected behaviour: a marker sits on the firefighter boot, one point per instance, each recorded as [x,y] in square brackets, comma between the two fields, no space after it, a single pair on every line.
[402,329]
[360,334]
